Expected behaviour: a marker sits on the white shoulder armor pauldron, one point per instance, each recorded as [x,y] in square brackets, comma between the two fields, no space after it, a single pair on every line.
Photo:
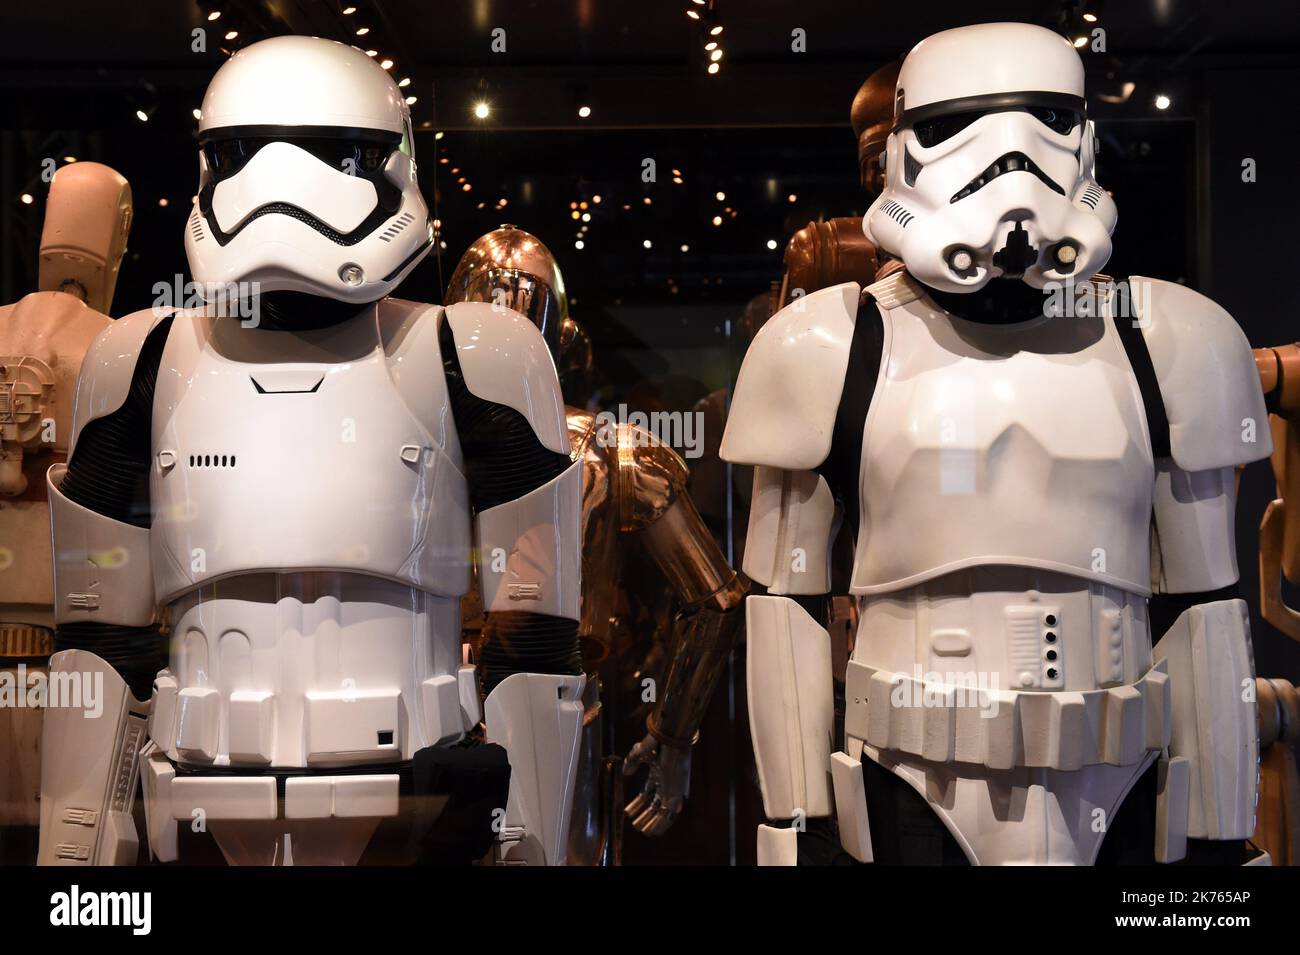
[783,410]
[109,366]
[505,360]
[1207,376]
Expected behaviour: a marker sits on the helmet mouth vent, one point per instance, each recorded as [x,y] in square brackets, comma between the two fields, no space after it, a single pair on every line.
[1010,162]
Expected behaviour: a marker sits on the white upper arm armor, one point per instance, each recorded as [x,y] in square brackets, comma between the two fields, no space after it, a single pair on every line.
[787,547]
[102,570]
[1217,420]
[504,359]
[1207,377]
[788,392]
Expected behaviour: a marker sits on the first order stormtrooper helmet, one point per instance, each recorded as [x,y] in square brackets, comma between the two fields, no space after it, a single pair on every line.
[306,175]
[990,165]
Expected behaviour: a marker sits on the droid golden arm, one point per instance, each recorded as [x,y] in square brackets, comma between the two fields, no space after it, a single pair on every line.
[653,502]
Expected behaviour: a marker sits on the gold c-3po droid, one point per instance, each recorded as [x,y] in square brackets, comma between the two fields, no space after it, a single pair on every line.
[634,494]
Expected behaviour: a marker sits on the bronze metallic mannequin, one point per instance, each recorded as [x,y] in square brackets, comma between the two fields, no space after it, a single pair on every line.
[42,340]
[1278,817]
[634,492]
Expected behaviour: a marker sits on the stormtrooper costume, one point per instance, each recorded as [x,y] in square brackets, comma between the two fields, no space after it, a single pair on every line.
[267,520]
[1039,464]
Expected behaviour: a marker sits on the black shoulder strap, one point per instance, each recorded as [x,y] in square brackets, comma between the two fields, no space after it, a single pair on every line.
[844,462]
[1153,403]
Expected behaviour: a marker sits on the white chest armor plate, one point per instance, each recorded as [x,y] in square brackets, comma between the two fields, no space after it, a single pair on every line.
[324,450]
[1022,445]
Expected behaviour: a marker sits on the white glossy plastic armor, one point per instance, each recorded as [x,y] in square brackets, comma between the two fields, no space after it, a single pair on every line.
[1035,578]
[305,634]
[289,220]
[311,538]
[1011,504]
[948,207]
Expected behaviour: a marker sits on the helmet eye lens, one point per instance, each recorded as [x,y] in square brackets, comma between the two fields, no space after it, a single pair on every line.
[1057,120]
[932,132]
[364,157]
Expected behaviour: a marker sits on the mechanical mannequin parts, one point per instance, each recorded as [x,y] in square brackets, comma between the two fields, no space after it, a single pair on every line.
[1035,497]
[268,518]
[42,340]
[633,496]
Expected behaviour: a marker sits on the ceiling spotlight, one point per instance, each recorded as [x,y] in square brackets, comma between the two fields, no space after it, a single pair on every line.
[715,55]
[715,30]
[692,14]
[713,68]
[412,100]
[647,243]
[466,188]
[1163,101]
[349,10]
[69,158]
[584,111]
[163,202]
[142,116]
[686,248]
[439,134]
[771,243]
[792,197]
[1090,17]
[362,31]
[386,63]
[578,245]
[404,82]
[232,34]
[1080,42]
[482,110]
[711,45]
[196,114]
[372,53]
[26,199]
[596,199]
[214,15]
[647,200]
[586,217]
[717,220]
[720,196]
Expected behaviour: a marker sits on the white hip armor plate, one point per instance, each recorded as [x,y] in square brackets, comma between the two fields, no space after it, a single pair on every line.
[1022,445]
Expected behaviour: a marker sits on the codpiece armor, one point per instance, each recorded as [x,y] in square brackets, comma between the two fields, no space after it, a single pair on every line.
[1038,462]
[634,494]
[42,340]
[269,513]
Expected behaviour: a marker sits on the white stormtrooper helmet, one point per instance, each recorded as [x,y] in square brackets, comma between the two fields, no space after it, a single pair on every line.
[306,175]
[989,168]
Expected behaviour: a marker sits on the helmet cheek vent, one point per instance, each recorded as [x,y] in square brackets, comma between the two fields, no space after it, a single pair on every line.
[911,168]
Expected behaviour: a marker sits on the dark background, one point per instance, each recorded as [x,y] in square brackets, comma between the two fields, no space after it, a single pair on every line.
[770,125]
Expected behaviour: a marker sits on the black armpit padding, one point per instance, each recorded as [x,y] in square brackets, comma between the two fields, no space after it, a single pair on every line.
[1164,609]
[843,465]
[109,470]
[518,641]
[1153,403]
[136,653]
[476,783]
[504,460]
